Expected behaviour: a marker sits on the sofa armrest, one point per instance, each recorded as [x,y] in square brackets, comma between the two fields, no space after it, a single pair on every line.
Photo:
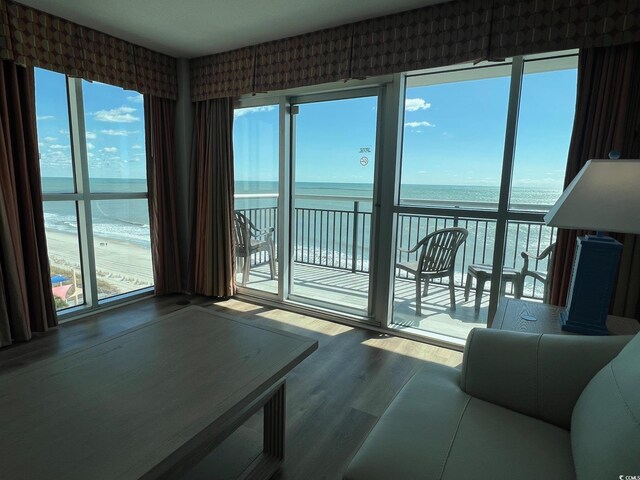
[537,375]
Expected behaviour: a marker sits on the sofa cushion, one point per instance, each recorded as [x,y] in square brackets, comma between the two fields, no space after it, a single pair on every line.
[433,430]
[605,425]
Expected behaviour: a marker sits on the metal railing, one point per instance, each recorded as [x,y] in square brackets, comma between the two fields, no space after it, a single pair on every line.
[339,237]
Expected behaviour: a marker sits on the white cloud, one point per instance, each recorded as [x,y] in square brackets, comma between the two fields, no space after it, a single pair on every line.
[44,117]
[91,135]
[90,146]
[55,146]
[136,98]
[63,132]
[119,133]
[244,111]
[110,149]
[55,159]
[415,104]
[136,147]
[49,139]
[418,124]
[116,115]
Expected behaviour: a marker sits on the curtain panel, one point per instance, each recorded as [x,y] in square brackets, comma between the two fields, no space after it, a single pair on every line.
[159,118]
[26,301]
[432,36]
[607,118]
[212,256]
[33,38]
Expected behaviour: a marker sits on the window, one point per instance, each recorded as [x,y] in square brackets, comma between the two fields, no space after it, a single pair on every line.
[454,127]
[93,167]
[547,107]
[454,153]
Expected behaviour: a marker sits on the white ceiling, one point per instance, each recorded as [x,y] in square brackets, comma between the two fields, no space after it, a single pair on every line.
[190,28]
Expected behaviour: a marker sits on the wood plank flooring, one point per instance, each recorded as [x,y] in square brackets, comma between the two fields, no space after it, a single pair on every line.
[333,398]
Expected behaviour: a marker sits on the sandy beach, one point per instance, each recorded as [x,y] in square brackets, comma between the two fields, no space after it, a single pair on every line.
[124,266]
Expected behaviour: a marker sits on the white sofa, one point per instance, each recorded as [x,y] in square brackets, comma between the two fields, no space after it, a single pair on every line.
[524,406]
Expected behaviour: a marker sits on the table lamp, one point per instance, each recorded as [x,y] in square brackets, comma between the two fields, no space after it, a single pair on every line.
[605,197]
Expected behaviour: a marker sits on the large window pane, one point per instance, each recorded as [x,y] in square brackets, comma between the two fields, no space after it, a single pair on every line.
[256,157]
[454,130]
[54,140]
[122,246]
[547,108]
[61,228]
[114,122]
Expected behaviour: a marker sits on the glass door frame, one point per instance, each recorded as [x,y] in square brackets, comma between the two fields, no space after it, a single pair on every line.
[284,232]
[280,229]
[293,102]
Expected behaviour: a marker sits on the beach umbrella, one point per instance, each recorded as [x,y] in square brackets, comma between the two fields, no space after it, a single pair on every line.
[58,279]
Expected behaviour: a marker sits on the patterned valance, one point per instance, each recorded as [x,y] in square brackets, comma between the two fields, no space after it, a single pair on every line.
[30,37]
[224,74]
[437,35]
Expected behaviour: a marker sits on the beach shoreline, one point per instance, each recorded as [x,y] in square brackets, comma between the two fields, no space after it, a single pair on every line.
[123,266]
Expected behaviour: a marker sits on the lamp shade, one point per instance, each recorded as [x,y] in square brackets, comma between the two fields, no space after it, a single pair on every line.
[604,196]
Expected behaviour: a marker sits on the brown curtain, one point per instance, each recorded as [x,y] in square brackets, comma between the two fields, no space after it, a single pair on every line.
[607,118]
[26,301]
[212,257]
[159,118]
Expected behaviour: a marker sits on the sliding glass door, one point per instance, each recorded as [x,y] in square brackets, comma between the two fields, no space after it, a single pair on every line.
[332,170]
[341,189]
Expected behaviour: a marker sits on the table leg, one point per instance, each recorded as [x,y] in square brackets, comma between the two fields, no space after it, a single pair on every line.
[467,286]
[480,281]
[274,418]
[269,461]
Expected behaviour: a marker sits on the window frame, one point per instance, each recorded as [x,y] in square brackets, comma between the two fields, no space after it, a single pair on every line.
[504,212]
[83,198]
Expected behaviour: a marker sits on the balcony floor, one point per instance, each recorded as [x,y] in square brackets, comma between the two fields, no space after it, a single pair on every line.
[341,288]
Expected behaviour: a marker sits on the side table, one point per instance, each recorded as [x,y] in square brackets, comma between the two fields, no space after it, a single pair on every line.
[482,274]
[534,317]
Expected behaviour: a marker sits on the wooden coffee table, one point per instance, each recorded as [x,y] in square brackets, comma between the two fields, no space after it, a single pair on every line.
[150,402]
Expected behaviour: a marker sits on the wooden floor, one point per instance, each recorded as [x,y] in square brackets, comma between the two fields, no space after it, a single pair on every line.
[333,398]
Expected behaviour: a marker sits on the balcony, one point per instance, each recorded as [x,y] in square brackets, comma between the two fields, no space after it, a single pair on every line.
[331,259]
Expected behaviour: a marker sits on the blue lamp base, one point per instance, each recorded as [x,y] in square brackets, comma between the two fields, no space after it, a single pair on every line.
[592,279]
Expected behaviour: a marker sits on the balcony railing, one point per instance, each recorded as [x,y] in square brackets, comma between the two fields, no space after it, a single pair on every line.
[339,237]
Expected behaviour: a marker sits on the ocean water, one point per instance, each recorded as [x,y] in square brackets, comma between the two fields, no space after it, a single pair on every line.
[331,241]
[324,236]
[123,220]
[409,194]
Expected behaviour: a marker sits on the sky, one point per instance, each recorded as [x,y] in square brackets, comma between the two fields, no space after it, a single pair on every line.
[453,135]
[114,123]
